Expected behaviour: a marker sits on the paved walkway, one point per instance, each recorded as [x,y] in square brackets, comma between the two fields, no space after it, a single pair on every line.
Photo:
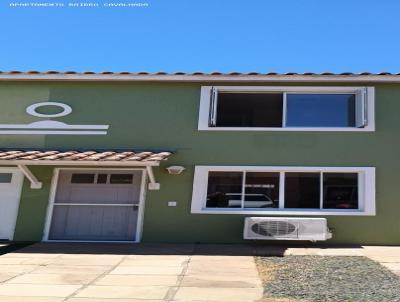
[55,272]
[122,273]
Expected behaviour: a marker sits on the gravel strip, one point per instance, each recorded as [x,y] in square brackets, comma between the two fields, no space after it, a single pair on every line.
[331,278]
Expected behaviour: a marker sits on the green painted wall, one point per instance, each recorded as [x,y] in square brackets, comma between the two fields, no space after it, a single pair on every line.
[33,207]
[165,116]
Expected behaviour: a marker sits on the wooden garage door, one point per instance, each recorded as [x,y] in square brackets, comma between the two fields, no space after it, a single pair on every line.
[96,206]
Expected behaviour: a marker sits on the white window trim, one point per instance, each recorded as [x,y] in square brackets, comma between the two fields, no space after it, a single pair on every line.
[366,189]
[204,111]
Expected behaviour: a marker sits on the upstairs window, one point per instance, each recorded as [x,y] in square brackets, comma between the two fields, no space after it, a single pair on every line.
[323,110]
[249,110]
[287,108]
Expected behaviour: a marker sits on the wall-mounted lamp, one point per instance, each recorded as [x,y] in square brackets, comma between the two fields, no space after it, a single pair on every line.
[175,170]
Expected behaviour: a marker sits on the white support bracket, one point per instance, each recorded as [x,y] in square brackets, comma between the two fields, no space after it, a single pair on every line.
[35,184]
[153,185]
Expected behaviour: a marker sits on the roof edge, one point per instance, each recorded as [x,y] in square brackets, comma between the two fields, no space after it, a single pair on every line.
[88,163]
[245,78]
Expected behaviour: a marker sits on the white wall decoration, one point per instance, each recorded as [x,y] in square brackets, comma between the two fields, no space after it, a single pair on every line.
[49,126]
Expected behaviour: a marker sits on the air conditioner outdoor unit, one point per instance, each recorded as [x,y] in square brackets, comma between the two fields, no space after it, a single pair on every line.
[286,228]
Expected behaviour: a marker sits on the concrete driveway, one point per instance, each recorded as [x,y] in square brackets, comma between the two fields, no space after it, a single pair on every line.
[52,272]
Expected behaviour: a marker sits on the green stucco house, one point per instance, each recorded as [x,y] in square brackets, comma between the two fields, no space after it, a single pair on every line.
[213,158]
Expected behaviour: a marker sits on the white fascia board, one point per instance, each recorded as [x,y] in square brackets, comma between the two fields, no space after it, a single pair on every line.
[77,163]
[204,78]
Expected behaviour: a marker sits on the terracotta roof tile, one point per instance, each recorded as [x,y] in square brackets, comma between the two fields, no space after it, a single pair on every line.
[36,155]
[58,155]
[87,156]
[107,72]
[198,76]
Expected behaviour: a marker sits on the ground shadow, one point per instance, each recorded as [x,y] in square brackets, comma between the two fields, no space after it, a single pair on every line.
[6,247]
[252,249]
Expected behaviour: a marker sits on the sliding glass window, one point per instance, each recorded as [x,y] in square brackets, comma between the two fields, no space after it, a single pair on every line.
[277,108]
[302,190]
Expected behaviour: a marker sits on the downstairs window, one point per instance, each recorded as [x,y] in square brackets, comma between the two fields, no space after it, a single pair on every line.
[294,190]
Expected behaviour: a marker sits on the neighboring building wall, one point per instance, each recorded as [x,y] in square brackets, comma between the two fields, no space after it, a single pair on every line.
[165,116]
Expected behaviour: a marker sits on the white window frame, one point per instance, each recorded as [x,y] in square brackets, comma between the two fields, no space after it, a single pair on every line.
[364,94]
[366,191]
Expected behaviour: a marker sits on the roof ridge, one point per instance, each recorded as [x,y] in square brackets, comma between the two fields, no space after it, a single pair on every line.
[214,73]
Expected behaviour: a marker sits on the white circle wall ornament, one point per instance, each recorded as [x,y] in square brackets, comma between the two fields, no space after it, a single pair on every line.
[32,109]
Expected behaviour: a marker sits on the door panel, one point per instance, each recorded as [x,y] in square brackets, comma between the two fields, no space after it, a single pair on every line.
[10,192]
[98,223]
[96,211]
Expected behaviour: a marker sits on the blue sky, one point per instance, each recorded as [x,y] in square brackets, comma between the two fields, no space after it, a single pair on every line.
[219,35]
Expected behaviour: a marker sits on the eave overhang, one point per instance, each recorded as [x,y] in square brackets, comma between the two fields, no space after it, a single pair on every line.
[214,77]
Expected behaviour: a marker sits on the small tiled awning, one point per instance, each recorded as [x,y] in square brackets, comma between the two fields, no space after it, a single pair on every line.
[89,158]
[110,158]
